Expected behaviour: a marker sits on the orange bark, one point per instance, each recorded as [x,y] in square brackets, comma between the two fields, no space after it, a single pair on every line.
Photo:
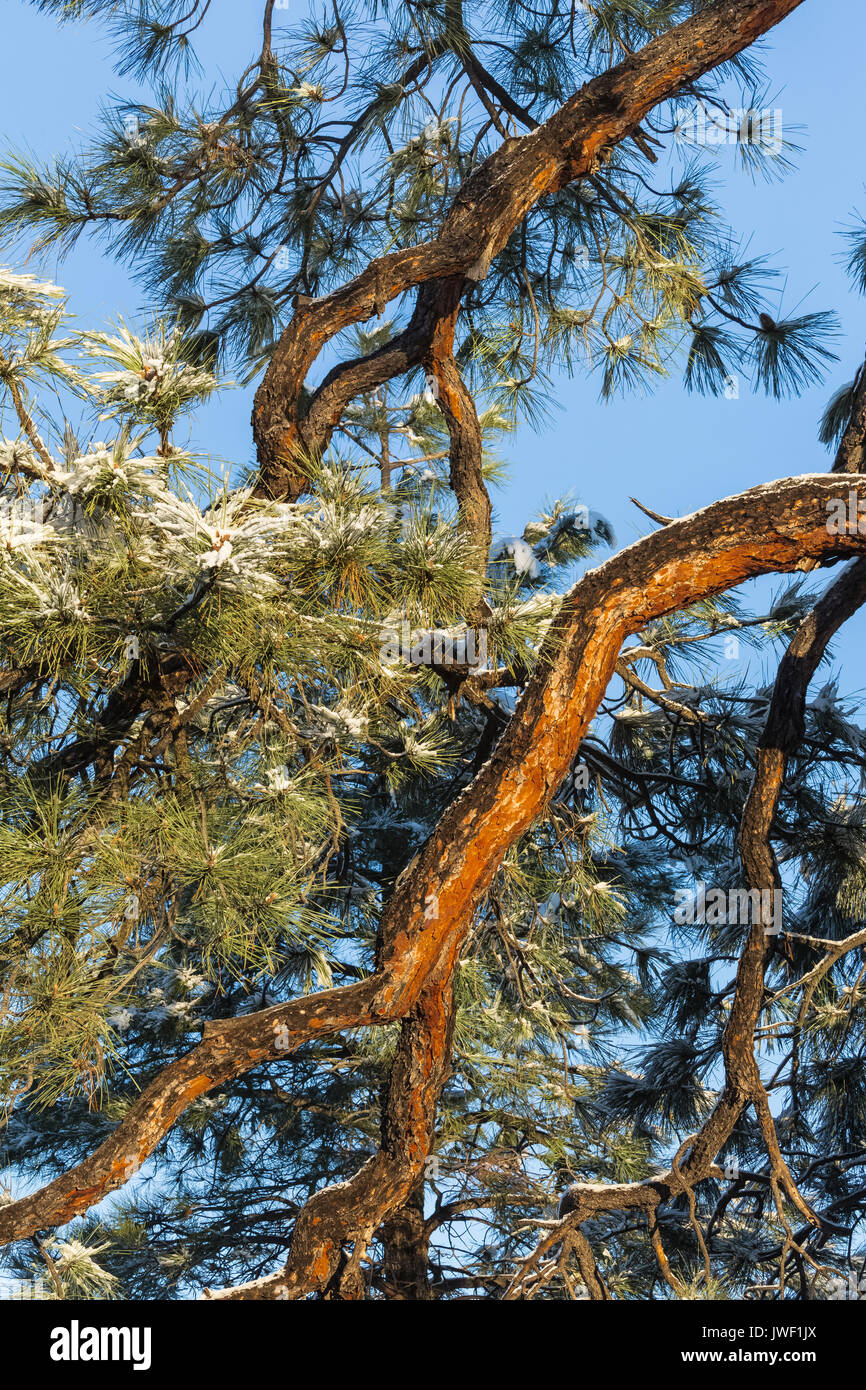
[776,527]
[492,202]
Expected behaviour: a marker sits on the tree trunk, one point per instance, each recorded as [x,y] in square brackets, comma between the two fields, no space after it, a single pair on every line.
[406,1244]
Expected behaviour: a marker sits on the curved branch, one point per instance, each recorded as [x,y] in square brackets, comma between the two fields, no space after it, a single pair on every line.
[492,202]
[779,526]
[464,430]
[852,446]
[782,734]
[353,1211]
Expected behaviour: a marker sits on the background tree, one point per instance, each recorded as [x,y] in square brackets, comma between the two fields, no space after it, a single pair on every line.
[420,926]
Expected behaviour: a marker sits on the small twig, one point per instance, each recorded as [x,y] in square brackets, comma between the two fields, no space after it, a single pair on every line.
[653,516]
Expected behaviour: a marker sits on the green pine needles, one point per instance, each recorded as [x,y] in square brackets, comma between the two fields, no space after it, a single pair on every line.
[233,710]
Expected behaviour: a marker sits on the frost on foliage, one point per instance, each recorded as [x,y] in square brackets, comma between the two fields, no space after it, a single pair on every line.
[341,724]
[548,530]
[827,702]
[109,467]
[188,978]
[426,149]
[563,534]
[539,611]
[30,315]
[76,1263]
[278,779]
[342,515]
[521,553]
[22,299]
[309,91]
[16,454]
[233,540]
[600,527]
[157,1011]
[151,375]
[836,717]
[48,595]
[121,1019]
[21,524]
[410,436]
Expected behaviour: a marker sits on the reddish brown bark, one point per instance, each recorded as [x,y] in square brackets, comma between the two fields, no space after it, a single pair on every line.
[464,430]
[782,735]
[495,200]
[406,1251]
[776,527]
[351,1212]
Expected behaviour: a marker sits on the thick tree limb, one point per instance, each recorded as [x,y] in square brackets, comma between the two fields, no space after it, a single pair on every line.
[464,429]
[782,734]
[354,1210]
[406,1251]
[228,1049]
[775,527]
[492,202]
[851,452]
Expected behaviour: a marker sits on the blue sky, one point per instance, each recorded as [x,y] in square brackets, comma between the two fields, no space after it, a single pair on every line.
[673,451]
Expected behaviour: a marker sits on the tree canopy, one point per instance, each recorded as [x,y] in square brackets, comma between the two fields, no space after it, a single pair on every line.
[392,910]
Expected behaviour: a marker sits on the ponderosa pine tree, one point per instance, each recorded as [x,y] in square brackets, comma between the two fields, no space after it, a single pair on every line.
[340,845]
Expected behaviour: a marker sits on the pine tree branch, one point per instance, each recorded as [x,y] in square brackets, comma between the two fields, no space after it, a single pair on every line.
[491,204]
[464,429]
[354,1210]
[852,446]
[781,737]
[25,419]
[774,527]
